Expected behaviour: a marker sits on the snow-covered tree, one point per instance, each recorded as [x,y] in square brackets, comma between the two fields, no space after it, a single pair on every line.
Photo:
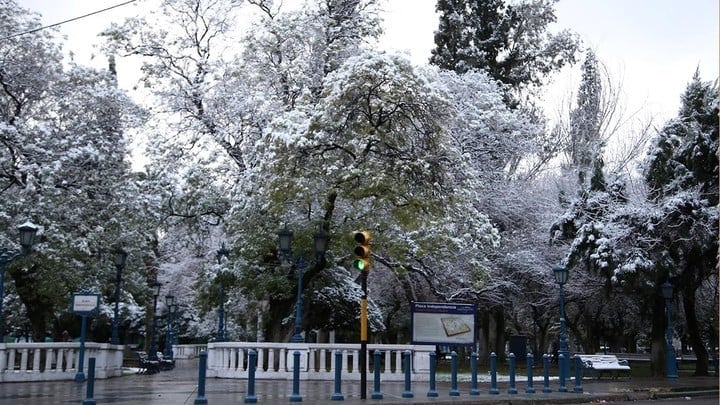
[511,42]
[681,173]
[65,168]
[637,244]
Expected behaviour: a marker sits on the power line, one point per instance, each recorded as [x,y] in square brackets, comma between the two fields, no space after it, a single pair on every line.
[66,21]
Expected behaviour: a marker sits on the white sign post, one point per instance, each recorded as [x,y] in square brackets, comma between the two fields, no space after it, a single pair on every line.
[83,304]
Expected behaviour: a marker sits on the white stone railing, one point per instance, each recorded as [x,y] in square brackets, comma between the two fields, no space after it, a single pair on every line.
[184,352]
[317,361]
[57,361]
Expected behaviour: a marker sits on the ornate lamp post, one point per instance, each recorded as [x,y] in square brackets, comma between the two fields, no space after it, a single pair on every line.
[154,340]
[561,277]
[170,302]
[173,334]
[320,240]
[222,252]
[119,260]
[667,293]
[27,237]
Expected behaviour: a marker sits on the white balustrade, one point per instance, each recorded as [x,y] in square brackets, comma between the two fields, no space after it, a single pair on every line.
[56,361]
[184,352]
[317,361]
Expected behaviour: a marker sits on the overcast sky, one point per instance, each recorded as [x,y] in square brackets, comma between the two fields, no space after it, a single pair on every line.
[652,46]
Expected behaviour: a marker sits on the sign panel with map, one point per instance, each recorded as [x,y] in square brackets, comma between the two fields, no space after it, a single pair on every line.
[438,323]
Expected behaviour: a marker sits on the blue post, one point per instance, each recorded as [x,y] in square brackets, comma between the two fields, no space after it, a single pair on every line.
[473,374]
[670,360]
[453,375]
[250,398]
[80,376]
[546,373]
[201,400]
[511,388]
[408,370]
[295,397]
[493,374]
[578,375]
[221,315]
[376,394]
[432,392]
[115,336]
[337,395]
[530,363]
[89,400]
[561,361]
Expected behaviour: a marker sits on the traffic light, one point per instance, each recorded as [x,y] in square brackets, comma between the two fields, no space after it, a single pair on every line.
[362,251]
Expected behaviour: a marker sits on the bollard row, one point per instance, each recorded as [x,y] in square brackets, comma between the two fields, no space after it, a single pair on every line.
[407,392]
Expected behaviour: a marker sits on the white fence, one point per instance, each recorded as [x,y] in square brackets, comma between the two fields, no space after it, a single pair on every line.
[185,352]
[317,361]
[57,361]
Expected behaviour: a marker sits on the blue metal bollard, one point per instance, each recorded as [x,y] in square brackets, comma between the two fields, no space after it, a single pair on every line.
[578,375]
[530,363]
[493,374]
[250,398]
[201,400]
[561,361]
[432,392]
[376,394]
[546,373]
[295,396]
[337,395]
[89,400]
[453,375]
[511,388]
[408,369]
[473,374]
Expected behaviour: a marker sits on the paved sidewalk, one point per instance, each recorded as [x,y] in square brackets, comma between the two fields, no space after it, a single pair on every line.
[179,386]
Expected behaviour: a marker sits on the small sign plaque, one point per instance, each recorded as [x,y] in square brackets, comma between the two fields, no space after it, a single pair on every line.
[85,303]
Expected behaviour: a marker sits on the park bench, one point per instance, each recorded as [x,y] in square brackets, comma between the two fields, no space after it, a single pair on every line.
[165,364]
[598,364]
[147,366]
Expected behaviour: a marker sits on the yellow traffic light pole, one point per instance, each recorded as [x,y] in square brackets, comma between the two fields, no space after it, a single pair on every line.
[362,263]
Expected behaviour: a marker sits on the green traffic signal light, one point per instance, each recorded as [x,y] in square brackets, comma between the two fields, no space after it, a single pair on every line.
[362,251]
[360,264]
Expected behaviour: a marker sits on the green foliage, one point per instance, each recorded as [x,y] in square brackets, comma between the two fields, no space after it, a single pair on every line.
[509,41]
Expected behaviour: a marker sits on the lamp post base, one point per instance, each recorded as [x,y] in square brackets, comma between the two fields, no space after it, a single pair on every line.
[297,338]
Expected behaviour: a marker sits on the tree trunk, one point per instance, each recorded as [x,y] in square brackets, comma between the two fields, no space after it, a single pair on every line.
[657,337]
[277,311]
[498,332]
[484,338]
[693,331]
[39,309]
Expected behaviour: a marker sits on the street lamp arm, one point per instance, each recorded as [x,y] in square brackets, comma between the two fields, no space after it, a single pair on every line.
[8,258]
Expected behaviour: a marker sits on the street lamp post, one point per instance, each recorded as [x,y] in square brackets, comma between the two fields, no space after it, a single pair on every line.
[154,340]
[667,293]
[27,237]
[285,249]
[174,333]
[561,277]
[119,260]
[170,302]
[222,252]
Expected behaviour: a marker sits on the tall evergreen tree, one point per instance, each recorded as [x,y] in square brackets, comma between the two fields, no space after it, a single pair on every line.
[585,143]
[510,42]
[682,176]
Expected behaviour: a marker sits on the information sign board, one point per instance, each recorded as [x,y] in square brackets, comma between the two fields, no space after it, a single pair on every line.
[438,323]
